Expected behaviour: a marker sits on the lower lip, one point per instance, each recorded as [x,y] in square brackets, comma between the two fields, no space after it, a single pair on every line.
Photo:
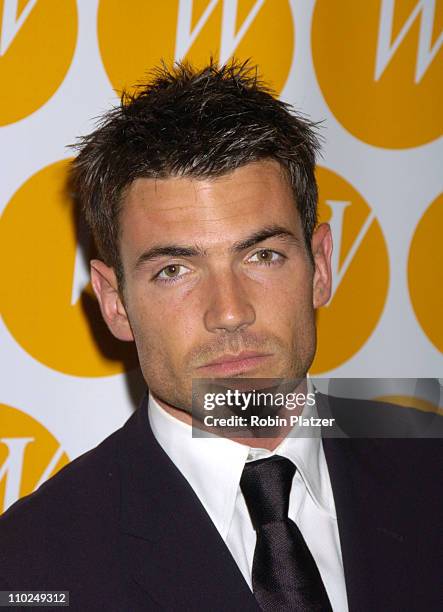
[228,368]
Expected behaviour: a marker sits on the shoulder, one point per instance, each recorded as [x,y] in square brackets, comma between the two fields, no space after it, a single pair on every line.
[386,443]
[76,508]
[72,483]
[360,418]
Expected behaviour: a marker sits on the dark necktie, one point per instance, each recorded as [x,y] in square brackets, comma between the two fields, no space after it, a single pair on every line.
[284,574]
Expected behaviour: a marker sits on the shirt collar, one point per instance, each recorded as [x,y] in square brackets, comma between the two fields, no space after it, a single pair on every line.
[213,465]
[303,446]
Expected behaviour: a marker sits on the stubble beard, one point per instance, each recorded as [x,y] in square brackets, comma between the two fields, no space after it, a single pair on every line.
[175,388]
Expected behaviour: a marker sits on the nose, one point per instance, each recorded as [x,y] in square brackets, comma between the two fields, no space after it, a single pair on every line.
[229,306]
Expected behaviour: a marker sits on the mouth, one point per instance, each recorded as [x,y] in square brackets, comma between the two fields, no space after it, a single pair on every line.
[229,365]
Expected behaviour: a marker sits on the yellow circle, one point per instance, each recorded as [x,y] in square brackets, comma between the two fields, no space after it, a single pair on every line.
[37,45]
[375,67]
[56,323]
[425,276]
[361,273]
[29,454]
[135,36]
[407,401]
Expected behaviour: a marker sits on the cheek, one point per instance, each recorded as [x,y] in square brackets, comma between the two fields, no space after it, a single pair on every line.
[164,326]
[289,300]
[289,314]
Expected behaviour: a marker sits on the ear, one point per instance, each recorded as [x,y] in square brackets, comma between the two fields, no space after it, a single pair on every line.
[322,251]
[104,283]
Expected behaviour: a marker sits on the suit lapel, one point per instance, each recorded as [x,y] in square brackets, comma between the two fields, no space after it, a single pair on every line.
[171,546]
[372,513]
[174,553]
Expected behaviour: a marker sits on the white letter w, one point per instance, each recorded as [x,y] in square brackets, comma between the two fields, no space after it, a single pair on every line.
[386,48]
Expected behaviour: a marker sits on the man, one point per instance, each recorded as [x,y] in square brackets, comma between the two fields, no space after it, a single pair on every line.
[201,195]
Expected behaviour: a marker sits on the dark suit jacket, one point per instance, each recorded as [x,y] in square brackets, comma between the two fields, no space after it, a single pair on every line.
[121,529]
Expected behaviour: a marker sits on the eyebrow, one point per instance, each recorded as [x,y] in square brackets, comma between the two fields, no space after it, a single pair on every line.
[273,231]
[175,250]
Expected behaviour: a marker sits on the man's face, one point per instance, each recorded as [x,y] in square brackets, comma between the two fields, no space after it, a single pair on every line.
[218,280]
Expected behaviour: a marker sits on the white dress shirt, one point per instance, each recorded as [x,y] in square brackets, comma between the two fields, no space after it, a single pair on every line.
[213,467]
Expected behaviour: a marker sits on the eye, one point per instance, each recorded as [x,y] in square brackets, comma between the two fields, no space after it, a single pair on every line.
[267,257]
[171,273]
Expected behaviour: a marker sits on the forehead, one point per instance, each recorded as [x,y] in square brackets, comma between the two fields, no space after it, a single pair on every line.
[219,209]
